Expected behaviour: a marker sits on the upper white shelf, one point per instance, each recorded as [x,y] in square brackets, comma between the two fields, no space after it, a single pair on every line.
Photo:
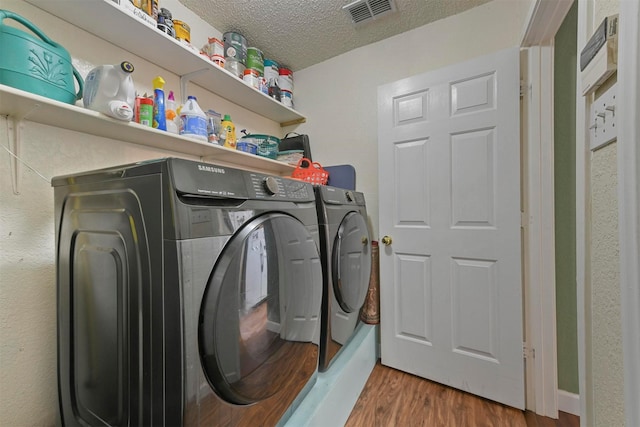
[20,105]
[111,23]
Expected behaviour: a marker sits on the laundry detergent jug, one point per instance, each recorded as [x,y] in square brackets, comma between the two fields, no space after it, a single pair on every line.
[109,89]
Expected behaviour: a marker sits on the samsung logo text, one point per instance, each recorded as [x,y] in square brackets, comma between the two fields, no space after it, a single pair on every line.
[211,169]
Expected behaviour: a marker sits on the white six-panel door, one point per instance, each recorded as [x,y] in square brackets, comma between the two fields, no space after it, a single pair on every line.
[449,167]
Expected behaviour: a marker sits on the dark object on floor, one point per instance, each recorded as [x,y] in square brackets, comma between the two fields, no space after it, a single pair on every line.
[370,312]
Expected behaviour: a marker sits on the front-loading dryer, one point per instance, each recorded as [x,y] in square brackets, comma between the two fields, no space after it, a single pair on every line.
[188,294]
[345,247]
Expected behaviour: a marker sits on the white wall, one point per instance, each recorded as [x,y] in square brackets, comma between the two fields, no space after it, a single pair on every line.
[606,379]
[605,372]
[339,96]
[27,262]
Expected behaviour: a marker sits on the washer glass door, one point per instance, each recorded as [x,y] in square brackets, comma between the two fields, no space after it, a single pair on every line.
[259,317]
[351,262]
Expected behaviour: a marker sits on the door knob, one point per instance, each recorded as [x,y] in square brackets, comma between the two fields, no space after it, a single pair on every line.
[365,241]
[387,240]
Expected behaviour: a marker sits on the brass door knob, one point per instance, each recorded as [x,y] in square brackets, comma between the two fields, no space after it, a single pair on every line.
[387,240]
[365,241]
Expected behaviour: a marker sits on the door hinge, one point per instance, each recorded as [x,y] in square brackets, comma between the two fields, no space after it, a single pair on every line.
[528,352]
[523,220]
[525,89]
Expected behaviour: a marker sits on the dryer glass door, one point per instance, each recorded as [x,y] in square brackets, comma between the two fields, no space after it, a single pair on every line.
[260,311]
[351,262]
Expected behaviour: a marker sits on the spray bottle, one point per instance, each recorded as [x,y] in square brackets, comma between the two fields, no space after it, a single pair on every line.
[171,114]
[159,114]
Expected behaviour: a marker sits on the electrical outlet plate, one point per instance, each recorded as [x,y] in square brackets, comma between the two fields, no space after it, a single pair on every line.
[602,119]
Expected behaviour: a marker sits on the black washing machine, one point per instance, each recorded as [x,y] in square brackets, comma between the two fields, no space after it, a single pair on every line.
[345,246]
[188,294]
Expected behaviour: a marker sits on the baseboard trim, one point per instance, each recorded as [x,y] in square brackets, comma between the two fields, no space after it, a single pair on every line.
[333,396]
[569,402]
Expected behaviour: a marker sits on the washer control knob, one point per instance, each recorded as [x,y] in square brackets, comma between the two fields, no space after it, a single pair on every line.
[349,196]
[270,184]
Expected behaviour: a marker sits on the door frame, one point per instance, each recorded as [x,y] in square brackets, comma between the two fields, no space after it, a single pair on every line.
[539,233]
[544,20]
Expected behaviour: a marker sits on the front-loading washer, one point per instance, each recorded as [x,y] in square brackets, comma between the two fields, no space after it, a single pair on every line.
[345,247]
[187,294]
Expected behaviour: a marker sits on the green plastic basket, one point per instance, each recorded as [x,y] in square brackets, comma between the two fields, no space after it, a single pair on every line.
[267,145]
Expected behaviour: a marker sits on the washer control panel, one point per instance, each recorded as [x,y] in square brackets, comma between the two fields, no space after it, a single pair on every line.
[278,188]
[340,196]
[205,179]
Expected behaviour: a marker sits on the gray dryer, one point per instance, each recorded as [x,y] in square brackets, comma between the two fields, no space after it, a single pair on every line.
[345,246]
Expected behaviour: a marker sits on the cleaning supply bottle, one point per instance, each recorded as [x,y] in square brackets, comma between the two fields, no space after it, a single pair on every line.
[109,89]
[213,126]
[171,114]
[159,115]
[193,120]
[228,132]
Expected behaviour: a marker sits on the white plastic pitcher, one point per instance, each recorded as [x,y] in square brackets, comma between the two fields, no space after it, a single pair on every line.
[109,90]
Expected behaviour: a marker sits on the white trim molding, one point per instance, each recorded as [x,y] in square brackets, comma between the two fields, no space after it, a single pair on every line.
[543,22]
[540,280]
[545,17]
[569,402]
[583,231]
[628,111]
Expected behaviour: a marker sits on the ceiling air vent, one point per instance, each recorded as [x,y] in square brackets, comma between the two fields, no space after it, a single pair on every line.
[365,10]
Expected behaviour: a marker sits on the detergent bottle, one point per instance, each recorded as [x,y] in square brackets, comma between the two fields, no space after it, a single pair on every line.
[170,114]
[159,115]
[193,120]
[227,132]
[109,90]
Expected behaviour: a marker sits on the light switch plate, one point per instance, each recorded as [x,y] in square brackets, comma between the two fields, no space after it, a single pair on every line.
[602,119]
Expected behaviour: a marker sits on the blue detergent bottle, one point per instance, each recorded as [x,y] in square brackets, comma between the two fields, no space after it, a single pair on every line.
[159,115]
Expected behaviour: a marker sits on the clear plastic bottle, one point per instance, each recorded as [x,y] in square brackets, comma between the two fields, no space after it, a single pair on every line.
[213,126]
[193,121]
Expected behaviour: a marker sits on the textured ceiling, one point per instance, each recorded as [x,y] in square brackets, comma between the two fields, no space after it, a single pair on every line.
[301,33]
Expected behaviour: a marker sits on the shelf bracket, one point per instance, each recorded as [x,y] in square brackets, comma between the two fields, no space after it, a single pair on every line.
[15,125]
[15,137]
[292,122]
[184,82]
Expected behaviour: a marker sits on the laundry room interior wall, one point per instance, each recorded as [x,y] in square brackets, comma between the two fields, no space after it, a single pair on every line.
[28,392]
[340,95]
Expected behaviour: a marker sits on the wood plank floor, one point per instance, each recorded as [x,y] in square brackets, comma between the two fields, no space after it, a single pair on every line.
[393,398]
